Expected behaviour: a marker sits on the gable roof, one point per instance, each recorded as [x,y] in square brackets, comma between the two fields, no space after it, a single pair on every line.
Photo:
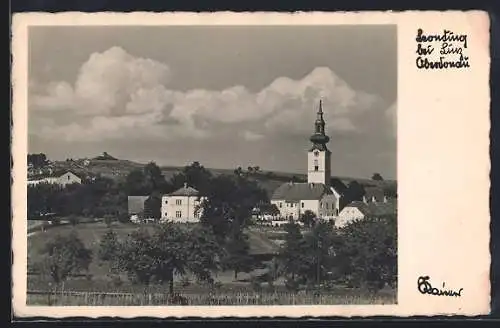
[301,191]
[185,191]
[136,204]
[374,209]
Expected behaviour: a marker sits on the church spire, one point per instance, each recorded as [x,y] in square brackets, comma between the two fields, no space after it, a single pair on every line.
[319,138]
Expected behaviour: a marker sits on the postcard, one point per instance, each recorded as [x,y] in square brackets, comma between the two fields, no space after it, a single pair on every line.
[250,164]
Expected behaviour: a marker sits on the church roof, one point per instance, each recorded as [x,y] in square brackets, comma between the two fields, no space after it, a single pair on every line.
[301,191]
[185,191]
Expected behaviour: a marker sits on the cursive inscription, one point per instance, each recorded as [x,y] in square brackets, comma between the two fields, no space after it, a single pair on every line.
[441,51]
[425,287]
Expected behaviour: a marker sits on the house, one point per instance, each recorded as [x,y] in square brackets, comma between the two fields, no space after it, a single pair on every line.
[62,179]
[318,194]
[359,210]
[374,195]
[265,213]
[136,208]
[183,205]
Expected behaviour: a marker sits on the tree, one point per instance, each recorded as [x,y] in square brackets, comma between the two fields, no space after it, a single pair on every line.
[63,256]
[367,252]
[195,175]
[171,250]
[152,207]
[318,250]
[37,160]
[250,169]
[377,177]
[229,203]
[354,191]
[137,257]
[154,179]
[237,257]
[109,246]
[308,218]
[135,183]
[290,254]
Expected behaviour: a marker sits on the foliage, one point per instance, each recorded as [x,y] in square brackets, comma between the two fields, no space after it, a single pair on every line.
[291,253]
[63,256]
[96,199]
[308,218]
[37,160]
[152,207]
[377,177]
[195,175]
[170,250]
[109,246]
[229,203]
[367,253]
[237,256]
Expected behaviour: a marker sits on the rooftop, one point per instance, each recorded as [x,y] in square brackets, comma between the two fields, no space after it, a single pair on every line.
[293,191]
[185,191]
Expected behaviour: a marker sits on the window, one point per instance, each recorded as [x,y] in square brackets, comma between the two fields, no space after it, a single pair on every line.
[165,214]
[178,214]
[302,204]
[316,153]
[166,201]
[316,166]
[178,202]
[281,204]
[326,205]
[68,177]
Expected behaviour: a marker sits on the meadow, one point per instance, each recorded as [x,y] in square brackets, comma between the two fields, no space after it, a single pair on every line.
[98,288]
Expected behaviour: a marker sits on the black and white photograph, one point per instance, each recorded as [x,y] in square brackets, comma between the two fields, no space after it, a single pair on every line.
[212,165]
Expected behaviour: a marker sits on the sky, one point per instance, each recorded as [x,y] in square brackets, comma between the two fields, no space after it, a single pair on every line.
[225,96]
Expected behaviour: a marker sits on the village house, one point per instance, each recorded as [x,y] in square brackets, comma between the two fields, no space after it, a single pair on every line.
[317,194]
[359,210]
[183,205]
[62,179]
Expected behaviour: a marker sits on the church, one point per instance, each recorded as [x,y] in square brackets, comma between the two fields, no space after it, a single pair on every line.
[317,194]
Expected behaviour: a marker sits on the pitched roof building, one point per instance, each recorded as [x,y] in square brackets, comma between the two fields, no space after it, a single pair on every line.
[182,205]
[359,210]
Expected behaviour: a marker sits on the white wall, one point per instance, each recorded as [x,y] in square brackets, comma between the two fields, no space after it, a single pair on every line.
[68,178]
[348,215]
[324,167]
[190,208]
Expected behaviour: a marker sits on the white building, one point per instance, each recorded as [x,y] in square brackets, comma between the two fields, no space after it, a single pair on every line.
[359,210]
[182,205]
[60,179]
[317,195]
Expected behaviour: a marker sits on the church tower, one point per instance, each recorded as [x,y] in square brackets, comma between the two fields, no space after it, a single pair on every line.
[318,157]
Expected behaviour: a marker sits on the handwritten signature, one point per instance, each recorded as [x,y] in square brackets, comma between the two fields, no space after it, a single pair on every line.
[425,287]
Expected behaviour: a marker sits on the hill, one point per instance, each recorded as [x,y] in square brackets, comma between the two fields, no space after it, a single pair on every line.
[114,168]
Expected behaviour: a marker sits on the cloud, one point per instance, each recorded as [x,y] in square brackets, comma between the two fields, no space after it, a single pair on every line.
[119,96]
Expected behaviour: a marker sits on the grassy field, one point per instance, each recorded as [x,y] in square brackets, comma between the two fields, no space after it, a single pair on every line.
[99,289]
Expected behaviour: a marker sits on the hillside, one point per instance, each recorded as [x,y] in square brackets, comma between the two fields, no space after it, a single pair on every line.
[119,168]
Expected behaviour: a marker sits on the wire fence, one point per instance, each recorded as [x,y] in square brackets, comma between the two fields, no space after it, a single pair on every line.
[76,298]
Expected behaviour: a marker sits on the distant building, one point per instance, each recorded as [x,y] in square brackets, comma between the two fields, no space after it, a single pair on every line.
[63,179]
[317,195]
[136,208]
[183,205]
[374,195]
[359,210]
